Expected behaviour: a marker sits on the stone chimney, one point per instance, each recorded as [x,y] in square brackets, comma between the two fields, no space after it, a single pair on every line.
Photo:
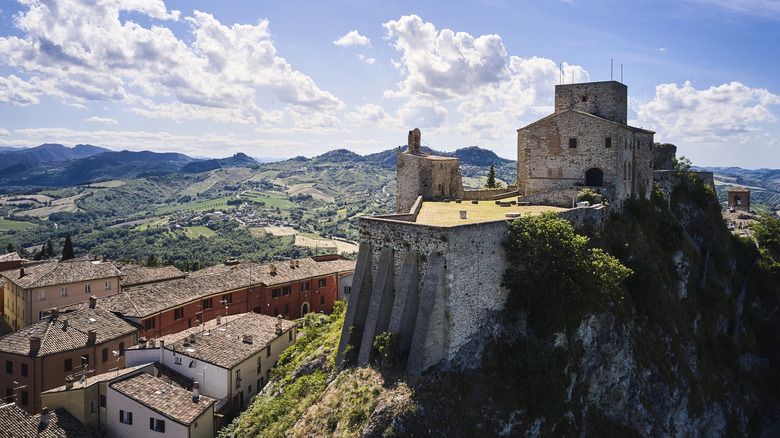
[91,336]
[292,264]
[142,342]
[195,392]
[69,382]
[45,416]
[92,302]
[297,263]
[272,269]
[64,323]
[278,324]
[21,272]
[35,343]
[162,351]
[248,339]
[54,314]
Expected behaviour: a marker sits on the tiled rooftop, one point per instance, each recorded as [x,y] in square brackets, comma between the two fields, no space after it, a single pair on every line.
[67,332]
[223,345]
[169,400]
[148,300]
[55,273]
[10,257]
[16,423]
[135,275]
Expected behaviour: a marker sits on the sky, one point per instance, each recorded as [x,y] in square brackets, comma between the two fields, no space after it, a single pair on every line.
[289,78]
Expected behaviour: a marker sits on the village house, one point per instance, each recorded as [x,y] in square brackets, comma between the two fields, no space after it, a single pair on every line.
[42,355]
[8,261]
[137,275]
[35,287]
[57,423]
[291,289]
[230,357]
[140,405]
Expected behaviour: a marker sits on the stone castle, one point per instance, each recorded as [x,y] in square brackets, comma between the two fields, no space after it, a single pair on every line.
[439,286]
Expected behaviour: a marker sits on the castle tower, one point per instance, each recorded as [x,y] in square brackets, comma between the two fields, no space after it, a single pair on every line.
[418,174]
[608,100]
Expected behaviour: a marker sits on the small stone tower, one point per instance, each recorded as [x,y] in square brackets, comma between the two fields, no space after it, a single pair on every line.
[739,199]
[608,100]
[419,174]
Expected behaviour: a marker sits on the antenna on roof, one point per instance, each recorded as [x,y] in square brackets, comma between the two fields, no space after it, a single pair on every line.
[621,73]
[560,67]
[610,68]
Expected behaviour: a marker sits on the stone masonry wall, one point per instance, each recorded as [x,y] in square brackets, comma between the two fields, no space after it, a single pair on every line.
[604,99]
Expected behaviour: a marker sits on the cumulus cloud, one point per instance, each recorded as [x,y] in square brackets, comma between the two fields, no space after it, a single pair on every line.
[81,50]
[104,120]
[492,92]
[353,38]
[366,59]
[726,112]
[374,115]
[4,132]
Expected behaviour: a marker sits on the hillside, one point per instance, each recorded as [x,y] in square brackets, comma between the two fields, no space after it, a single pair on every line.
[46,153]
[689,346]
[764,185]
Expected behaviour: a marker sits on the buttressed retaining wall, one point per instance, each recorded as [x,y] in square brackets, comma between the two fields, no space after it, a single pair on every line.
[439,288]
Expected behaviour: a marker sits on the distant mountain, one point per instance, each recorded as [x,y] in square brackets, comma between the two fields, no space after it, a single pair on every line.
[105,165]
[340,155]
[47,153]
[237,160]
[469,156]
[265,160]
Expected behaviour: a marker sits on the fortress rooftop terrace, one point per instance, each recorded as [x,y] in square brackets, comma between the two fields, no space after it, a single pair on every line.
[448,213]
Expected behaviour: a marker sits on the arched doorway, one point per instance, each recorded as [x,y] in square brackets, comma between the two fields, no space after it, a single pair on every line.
[304,309]
[594,177]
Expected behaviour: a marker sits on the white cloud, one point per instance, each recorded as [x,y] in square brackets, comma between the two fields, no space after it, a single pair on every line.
[492,92]
[104,120]
[4,132]
[365,59]
[729,112]
[79,50]
[374,115]
[353,38]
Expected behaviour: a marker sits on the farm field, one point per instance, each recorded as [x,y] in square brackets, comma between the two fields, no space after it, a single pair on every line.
[11,225]
[195,232]
[271,199]
[216,204]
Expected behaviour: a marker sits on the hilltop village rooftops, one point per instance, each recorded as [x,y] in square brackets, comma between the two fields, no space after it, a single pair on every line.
[136,275]
[147,300]
[229,343]
[66,332]
[10,257]
[58,423]
[169,400]
[55,273]
[155,369]
[446,214]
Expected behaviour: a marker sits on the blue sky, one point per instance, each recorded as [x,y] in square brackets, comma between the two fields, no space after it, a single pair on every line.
[280,79]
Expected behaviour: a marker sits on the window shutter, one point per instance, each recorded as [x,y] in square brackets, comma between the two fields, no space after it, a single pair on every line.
[121,416]
[151,423]
[129,418]
[162,426]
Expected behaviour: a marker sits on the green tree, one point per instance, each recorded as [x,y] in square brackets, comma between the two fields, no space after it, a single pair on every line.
[49,252]
[10,248]
[152,261]
[767,235]
[491,178]
[196,266]
[67,249]
[555,276]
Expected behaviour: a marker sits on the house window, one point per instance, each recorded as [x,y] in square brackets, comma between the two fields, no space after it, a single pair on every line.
[207,303]
[9,367]
[121,348]
[85,361]
[268,351]
[275,293]
[25,398]
[322,299]
[125,417]
[584,98]
[249,389]
[227,299]
[92,406]
[238,379]
[347,290]
[149,324]
[286,290]
[322,282]
[9,395]
[64,291]
[276,310]
[289,336]
[42,295]
[105,355]
[572,143]
[108,284]
[286,309]
[305,286]
[608,142]
[68,365]
[157,425]
[178,313]
[24,370]
[258,385]
[177,360]
[87,288]
[259,365]
[102,401]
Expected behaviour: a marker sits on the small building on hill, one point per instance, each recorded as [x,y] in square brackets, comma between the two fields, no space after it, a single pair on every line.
[739,199]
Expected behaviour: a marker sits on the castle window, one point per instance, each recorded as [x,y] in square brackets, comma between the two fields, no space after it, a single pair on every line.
[594,177]
[572,143]
[608,142]
[584,98]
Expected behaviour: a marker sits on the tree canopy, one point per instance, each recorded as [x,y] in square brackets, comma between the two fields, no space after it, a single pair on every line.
[67,249]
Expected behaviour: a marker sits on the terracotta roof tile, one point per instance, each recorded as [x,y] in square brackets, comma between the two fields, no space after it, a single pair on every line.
[67,332]
[224,346]
[54,273]
[16,423]
[135,275]
[169,400]
[10,257]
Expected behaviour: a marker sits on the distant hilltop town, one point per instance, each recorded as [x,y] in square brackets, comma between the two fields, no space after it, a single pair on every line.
[432,271]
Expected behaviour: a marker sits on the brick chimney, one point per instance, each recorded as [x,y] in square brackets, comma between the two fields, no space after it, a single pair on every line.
[69,382]
[35,343]
[91,336]
[272,269]
[65,323]
[92,302]
[21,272]
[54,314]
[248,339]
[278,324]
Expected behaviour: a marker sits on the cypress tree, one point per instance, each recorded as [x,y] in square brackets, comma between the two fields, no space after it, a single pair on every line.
[67,249]
[49,250]
[491,178]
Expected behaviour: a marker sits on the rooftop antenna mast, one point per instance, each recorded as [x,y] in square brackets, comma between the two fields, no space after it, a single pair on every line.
[610,68]
[560,68]
[621,73]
